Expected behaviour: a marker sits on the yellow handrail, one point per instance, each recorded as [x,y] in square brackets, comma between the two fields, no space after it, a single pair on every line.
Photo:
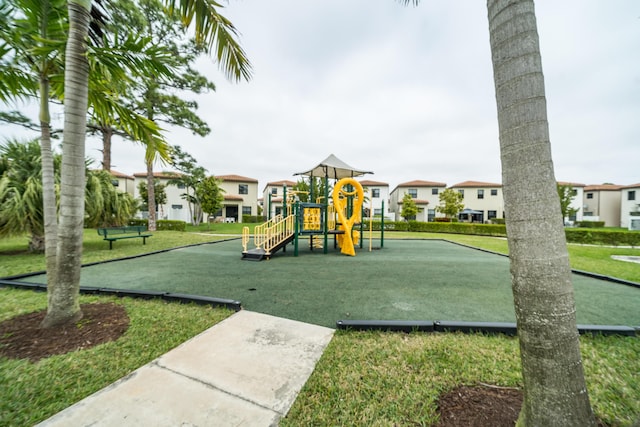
[278,233]
[245,238]
[259,233]
[273,232]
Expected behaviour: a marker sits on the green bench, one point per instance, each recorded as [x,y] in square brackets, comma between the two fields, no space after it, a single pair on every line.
[126,232]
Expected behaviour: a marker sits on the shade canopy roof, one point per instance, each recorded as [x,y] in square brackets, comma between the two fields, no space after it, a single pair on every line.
[334,168]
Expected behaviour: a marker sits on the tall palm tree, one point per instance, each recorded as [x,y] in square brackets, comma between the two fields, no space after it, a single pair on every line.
[210,27]
[555,392]
[554,385]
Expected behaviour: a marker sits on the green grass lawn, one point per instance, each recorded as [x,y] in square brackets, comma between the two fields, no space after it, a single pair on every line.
[371,378]
[31,392]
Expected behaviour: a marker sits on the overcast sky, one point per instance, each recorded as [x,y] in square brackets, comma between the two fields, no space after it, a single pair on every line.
[407,92]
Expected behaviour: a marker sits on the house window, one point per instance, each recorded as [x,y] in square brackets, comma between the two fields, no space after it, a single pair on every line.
[274,191]
[413,192]
[246,210]
[434,191]
[631,195]
[589,195]
[377,211]
[480,194]
[574,192]
[176,206]
[243,189]
[461,192]
[494,191]
[375,193]
[115,182]
[492,214]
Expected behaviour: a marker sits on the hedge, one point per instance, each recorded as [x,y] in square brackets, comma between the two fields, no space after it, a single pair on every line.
[162,224]
[574,235]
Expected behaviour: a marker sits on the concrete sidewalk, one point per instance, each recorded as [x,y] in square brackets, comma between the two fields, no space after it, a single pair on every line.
[246,370]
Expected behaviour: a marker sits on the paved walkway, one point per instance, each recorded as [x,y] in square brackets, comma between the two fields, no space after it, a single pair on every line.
[246,370]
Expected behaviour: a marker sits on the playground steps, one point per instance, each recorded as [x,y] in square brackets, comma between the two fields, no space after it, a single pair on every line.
[256,254]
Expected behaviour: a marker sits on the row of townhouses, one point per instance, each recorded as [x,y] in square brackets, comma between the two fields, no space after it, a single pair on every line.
[616,205]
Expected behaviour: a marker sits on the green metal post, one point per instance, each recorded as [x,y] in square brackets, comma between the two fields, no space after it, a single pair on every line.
[284,201]
[296,208]
[361,226]
[326,214]
[382,227]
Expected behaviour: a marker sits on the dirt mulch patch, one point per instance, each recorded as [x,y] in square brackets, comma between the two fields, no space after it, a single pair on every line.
[480,406]
[22,338]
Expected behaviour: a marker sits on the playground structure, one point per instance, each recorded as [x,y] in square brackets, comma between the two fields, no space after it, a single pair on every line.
[338,215]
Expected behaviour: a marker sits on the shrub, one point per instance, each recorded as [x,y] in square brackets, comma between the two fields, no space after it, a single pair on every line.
[590,224]
[162,224]
[252,218]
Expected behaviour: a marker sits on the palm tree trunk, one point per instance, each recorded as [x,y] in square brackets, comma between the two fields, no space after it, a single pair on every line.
[554,385]
[64,304]
[107,134]
[151,197]
[49,209]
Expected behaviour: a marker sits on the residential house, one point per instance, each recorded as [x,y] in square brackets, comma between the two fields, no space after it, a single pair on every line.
[630,207]
[124,183]
[602,203]
[424,194]
[240,197]
[483,201]
[175,208]
[577,192]
[377,198]
[272,197]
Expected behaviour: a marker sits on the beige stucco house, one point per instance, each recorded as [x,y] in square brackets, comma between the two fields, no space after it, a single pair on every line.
[602,203]
[483,201]
[377,198]
[240,197]
[630,207]
[576,202]
[425,195]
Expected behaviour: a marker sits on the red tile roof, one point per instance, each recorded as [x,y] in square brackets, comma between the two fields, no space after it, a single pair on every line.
[475,184]
[419,183]
[571,184]
[235,178]
[603,187]
[632,186]
[280,184]
[119,174]
[367,182]
[165,175]
[417,202]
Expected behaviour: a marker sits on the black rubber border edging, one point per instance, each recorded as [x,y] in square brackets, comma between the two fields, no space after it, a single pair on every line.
[489,328]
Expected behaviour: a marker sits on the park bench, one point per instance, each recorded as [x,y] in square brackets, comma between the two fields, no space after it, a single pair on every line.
[126,232]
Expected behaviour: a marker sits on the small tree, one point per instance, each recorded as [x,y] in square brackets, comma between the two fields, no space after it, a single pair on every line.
[210,195]
[190,177]
[566,194]
[450,203]
[409,207]
[160,196]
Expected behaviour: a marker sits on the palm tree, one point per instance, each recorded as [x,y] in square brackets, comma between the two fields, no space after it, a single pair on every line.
[21,198]
[215,31]
[555,392]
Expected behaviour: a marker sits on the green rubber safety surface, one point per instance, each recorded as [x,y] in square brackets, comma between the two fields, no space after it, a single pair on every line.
[406,280]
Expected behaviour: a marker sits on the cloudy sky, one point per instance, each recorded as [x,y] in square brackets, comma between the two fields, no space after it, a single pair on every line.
[407,92]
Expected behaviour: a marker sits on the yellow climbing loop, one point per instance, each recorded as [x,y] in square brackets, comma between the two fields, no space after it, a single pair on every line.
[341,195]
